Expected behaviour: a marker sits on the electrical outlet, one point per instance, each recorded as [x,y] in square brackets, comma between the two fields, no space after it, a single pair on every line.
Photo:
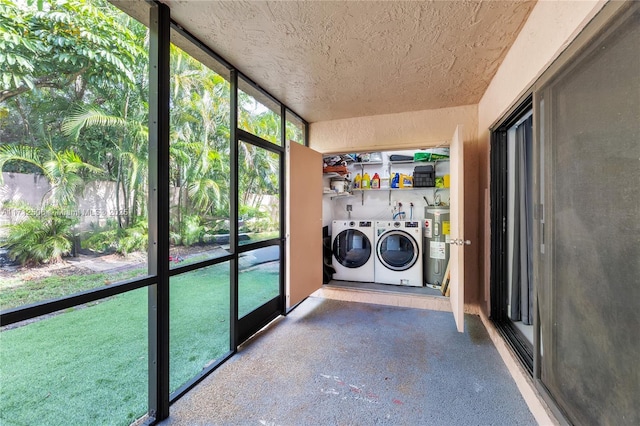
[349,207]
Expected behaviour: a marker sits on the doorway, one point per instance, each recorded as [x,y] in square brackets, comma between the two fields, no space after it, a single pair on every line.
[387,195]
[512,223]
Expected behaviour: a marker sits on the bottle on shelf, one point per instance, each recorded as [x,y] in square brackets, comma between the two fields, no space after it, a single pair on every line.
[406,181]
[375,182]
[366,181]
[395,180]
[357,181]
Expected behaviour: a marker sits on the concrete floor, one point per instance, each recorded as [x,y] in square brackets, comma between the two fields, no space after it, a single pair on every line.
[331,362]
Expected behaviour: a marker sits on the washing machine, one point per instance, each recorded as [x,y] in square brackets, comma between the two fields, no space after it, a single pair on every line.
[398,252]
[352,250]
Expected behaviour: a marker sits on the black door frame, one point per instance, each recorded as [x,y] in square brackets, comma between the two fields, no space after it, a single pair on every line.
[499,244]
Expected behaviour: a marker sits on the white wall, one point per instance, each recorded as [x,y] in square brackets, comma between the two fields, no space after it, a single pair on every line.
[550,28]
[379,204]
[414,129]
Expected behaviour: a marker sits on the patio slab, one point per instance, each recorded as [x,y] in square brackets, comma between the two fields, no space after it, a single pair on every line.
[338,363]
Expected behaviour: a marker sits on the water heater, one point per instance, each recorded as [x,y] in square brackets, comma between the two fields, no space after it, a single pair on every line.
[435,233]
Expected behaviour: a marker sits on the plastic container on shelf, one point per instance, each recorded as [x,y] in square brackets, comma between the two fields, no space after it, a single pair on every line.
[366,181]
[395,180]
[406,181]
[357,181]
[423,176]
[375,181]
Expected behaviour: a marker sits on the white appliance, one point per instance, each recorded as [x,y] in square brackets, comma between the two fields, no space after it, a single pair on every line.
[398,246]
[352,250]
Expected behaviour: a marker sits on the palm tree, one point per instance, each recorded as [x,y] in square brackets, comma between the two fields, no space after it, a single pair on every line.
[130,134]
[63,170]
[199,149]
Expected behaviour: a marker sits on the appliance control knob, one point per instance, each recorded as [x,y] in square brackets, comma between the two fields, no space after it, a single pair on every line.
[352,223]
[396,224]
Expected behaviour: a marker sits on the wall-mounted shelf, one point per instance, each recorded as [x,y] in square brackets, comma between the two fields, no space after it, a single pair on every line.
[356,167]
[333,194]
[333,175]
[390,190]
[443,160]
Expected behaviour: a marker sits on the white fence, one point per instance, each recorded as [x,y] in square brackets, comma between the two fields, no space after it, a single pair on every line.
[96,206]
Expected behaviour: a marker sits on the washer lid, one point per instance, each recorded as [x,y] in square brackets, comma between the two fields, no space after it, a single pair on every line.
[397,250]
[351,248]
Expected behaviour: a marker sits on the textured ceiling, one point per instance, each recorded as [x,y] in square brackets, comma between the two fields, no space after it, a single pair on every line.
[328,60]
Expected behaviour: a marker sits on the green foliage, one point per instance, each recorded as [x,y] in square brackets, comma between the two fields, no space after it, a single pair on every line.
[192,230]
[134,238]
[44,236]
[112,238]
[74,107]
[59,42]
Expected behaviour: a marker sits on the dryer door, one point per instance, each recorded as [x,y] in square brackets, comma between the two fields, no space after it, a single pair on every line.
[397,250]
[351,248]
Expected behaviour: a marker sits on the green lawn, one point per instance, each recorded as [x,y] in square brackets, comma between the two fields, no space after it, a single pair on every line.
[88,366]
[15,292]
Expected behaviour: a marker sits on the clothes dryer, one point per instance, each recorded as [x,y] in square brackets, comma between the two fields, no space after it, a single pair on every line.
[352,250]
[398,253]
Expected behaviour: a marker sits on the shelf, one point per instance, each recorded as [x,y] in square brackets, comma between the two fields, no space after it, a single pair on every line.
[403,162]
[414,188]
[443,160]
[390,190]
[334,194]
[334,175]
[367,163]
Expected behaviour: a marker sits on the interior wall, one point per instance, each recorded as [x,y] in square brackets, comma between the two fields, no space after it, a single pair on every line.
[550,28]
[414,130]
[388,132]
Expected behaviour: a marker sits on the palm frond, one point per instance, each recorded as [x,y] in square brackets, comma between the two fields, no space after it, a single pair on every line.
[89,116]
[27,154]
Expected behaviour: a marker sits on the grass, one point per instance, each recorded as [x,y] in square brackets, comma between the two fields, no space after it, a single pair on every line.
[19,293]
[89,365]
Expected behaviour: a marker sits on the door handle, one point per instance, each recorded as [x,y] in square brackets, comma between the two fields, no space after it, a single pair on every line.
[460,242]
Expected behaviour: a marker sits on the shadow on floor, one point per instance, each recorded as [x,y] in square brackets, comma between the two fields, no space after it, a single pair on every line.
[338,363]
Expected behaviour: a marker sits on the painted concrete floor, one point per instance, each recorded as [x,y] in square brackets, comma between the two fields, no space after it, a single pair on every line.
[342,363]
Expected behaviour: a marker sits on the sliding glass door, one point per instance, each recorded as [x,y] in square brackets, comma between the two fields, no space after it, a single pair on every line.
[587,249]
[566,224]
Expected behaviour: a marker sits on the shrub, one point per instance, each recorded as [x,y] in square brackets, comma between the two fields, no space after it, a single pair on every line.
[123,241]
[44,236]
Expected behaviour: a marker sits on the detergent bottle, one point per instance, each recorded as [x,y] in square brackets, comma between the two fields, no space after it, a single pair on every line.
[395,180]
[406,181]
[375,182]
[357,181]
[366,181]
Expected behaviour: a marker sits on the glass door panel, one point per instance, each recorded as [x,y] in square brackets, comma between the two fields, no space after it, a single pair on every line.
[259,237]
[588,253]
[258,194]
[258,278]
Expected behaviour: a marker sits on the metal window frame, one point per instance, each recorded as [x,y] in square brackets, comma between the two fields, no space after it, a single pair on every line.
[159,271]
[159,74]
